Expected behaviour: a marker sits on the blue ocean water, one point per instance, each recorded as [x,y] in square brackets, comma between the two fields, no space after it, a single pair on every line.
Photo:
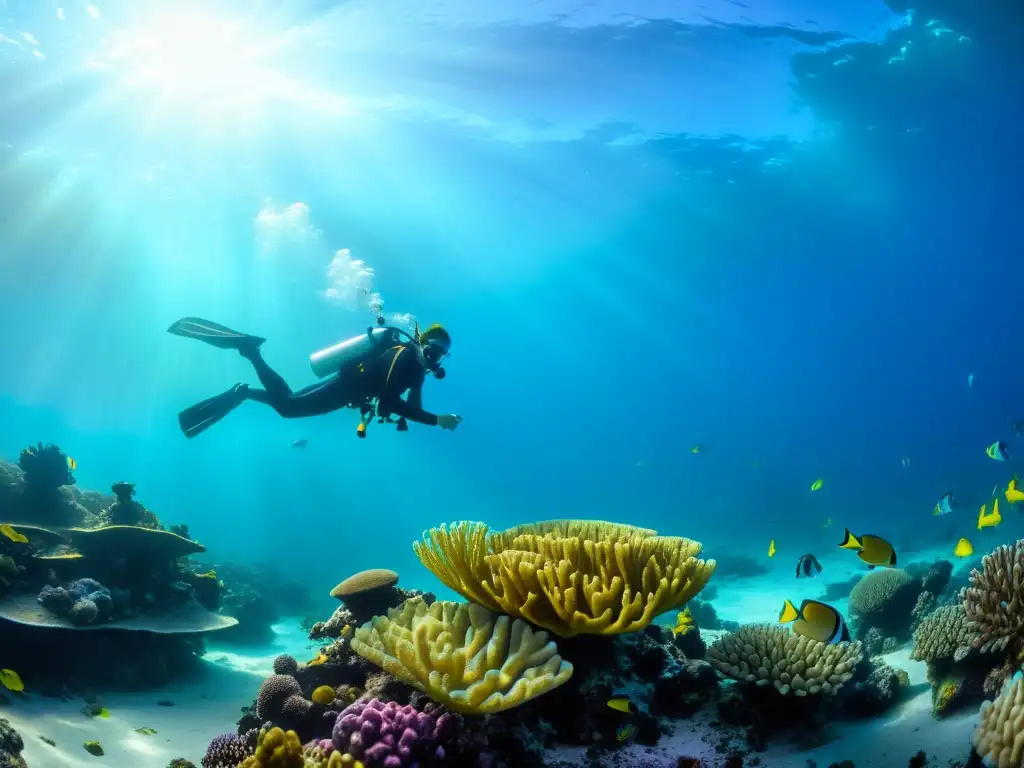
[787,234]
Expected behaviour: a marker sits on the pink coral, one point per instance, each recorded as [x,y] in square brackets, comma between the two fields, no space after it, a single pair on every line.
[391,736]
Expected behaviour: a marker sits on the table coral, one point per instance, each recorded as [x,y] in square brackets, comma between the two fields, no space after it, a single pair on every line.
[391,736]
[463,655]
[570,577]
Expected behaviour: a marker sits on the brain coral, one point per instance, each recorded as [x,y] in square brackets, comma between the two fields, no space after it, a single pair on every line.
[993,601]
[999,736]
[944,634]
[463,655]
[275,691]
[873,593]
[568,576]
[769,654]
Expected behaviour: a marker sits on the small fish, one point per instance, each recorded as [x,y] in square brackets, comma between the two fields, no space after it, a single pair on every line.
[771,548]
[816,621]
[300,443]
[828,522]
[816,485]
[945,505]
[963,548]
[970,380]
[997,451]
[684,623]
[11,680]
[699,448]
[146,731]
[624,733]
[905,461]
[873,550]
[1013,495]
[989,519]
[807,566]
[18,538]
[72,464]
[620,702]
[104,713]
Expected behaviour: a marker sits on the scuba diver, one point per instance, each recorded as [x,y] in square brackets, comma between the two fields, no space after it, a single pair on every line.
[369,372]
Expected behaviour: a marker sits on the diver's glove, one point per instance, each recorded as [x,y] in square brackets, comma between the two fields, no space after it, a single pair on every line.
[448,420]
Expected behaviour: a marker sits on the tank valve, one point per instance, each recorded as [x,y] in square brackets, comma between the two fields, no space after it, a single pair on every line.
[361,430]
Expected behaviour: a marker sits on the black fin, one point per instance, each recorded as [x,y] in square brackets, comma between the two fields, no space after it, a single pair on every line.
[201,416]
[214,333]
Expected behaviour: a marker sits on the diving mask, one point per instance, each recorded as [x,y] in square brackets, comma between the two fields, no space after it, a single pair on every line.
[434,354]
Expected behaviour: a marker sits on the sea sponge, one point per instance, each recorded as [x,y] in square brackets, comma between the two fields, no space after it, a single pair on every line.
[994,600]
[323,695]
[568,576]
[874,591]
[944,634]
[770,654]
[463,655]
[999,736]
[276,749]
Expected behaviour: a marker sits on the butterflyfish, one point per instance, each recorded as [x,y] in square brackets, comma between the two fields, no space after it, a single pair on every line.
[816,485]
[18,538]
[945,505]
[873,550]
[989,519]
[72,464]
[771,548]
[1013,495]
[963,548]
[807,566]
[11,680]
[684,623]
[997,451]
[816,621]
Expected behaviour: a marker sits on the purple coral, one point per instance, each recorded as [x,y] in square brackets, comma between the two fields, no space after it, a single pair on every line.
[391,736]
[226,751]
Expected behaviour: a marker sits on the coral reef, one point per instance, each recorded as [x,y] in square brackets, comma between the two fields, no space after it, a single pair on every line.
[766,654]
[463,655]
[999,736]
[39,488]
[275,748]
[391,736]
[568,576]
[994,601]
[369,593]
[226,751]
[11,745]
[84,601]
[884,599]
[944,634]
[126,511]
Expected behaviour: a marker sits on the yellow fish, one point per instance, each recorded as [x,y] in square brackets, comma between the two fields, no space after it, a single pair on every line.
[963,548]
[684,623]
[11,680]
[989,519]
[1012,494]
[771,548]
[104,713]
[13,535]
[816,485]
[72,464]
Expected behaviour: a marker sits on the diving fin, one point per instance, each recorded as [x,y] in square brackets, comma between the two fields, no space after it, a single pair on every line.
[199,417]
[213,333]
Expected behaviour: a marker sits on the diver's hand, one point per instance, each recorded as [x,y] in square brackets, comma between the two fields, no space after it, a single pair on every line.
[448,421]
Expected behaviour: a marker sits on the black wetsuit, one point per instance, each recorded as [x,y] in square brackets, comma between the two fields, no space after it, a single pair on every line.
[387,377]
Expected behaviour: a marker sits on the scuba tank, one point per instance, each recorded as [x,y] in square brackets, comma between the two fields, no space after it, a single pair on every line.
[330,360]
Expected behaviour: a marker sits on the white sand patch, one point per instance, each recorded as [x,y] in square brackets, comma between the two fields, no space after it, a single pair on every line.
[203,708]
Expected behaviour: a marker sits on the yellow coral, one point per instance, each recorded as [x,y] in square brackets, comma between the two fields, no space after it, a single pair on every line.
[323,695]
[320,658]
[463,655]
[568,576]
[999,737]
[276,749]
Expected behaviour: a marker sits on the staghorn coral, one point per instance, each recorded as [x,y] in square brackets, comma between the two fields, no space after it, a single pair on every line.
[226,751]
[275,749]
[767,654]
[999,736]
[993,600]
[463,655]
[568,576]
[944,634]
[391,736]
